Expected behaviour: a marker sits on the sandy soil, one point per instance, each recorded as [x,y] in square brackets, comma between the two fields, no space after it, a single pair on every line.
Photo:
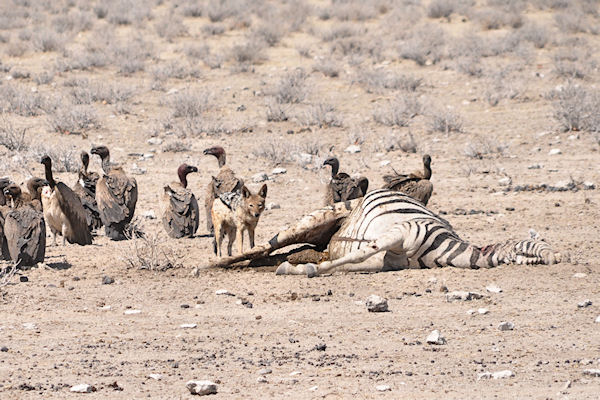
[65,327]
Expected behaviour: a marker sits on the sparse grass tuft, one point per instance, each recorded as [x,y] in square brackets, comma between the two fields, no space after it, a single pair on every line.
[322,115]
[445,120]
[379,80]
[398,112]
[20,100]
[177,146]
[276,112]
[73,120]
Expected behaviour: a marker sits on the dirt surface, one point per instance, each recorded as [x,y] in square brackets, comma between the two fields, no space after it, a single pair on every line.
[65,326]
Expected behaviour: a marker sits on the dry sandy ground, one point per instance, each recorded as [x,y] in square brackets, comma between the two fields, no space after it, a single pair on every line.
[81,334]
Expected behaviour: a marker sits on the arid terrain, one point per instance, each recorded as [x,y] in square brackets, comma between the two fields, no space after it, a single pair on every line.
[503,94]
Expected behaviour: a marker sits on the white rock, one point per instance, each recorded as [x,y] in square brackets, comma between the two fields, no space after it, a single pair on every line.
[554,152]
[462,295]
[156,377]
[278,171]
[149,214]
[313,388]
[385,163]
[188,326]
[592,372]
[131,312]
[261,379]
[579,275]
[29,325]
[201,388]
[83,388]
[436,338]
[295,373]
[471,312]
[496,375]
[173,91]
[585,303]
[106,308]
[272,206]
[483,311]
[506,326]
[376,304]
[383,388]
[504,181]
[598,319]
[221,292]
[493,289]
[587,185]
[155,141]
[353,148]
[260,177]
[303,158]
[265,371]
[147,156]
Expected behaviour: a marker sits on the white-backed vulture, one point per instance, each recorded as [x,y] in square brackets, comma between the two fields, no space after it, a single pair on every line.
[85,188]
[417,184]
[224,182]
[180,209]
[63,210]
[116,195]
[24,230]
[4,182]
[342,187]
[34,187]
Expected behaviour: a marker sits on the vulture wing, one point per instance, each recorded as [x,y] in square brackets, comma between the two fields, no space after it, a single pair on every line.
[88,200]
[73,209]
[25,233]
[418,189]
[116,195]
[4,255]
[181,217]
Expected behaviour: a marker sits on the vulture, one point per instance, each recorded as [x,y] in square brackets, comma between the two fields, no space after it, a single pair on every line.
[63,210]
[85,188]
[35,187]
[116,195]
[342,187]
[225,182]
[4,182]
[417,184]
[180,208]
[24,229]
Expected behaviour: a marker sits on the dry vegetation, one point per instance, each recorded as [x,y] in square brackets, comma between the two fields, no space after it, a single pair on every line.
[487,87]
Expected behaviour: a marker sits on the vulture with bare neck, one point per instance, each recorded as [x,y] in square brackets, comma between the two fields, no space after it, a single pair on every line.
[416,184]
[24,230]
[224,182]
[63,210]
[35,187]
[180,208]
[116,195]
[85,188]
[342,187]
[4,182]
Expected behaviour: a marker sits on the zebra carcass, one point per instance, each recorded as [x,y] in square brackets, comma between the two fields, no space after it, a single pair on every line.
[388,230]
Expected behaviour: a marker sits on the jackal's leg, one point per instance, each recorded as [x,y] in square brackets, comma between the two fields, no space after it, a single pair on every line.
[231,234]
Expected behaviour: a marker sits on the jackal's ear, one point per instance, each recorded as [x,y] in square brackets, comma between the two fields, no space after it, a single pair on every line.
[245,192]
[263,191]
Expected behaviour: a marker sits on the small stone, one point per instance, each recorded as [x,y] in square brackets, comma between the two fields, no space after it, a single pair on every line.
[592,372]
[201,388]
[273,206]
[184,306]
[320,347]
[29,325]
[462,295]
[279,171]
[579,275]
[376,304]
[496,375]
[506,326]
[352,149]
[188,326]
[483,311]
[587,185]
[149,214]
[260,177]
[23,279]
[471,312]
[313,388]
[383,388]
[132,312]
[295,373]
[506,181]
[585,303]
[554,152]
[4,349]
[223,292]
[265,371]
[598,319]
[106,308]
[436,338]
[385,163]
[83,388]
[493,289]
[155,141]
[261,379]
[107,280]
[156,377]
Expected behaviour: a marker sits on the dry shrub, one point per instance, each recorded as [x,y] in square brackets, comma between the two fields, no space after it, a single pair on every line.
[425,45]
[404,142]
[445,120]
[378,80]
[322,115]
[64,158]
[11,137]
[398,112]
[576,108]
[484,146]
[189,103]
[276,112]
[328,68]
[73,119]
[150,252]
[7,272]
[177,146]
[292,88]
[20,100]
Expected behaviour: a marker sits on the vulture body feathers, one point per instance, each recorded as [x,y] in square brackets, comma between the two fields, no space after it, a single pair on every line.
[342,187]
[180,208]
[417,184]
[85,188]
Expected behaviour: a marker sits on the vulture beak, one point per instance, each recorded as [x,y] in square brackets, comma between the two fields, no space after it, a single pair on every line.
[193,169]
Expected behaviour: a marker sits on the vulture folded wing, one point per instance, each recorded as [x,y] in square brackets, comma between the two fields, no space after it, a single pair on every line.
[4,255]
[181,216]
[115,195]
[25,233]
[72,207]
[418,189]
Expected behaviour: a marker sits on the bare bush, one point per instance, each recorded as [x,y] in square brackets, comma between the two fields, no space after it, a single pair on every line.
[484,146]
[64,158]
[440,9]
[43,78]
[273,152]
[11,137]
[17,49]
[218,10]
[196,50]
[573,21]
[321,115]
[371,47]
[398,112]
[7,272]
[73,119]
[46,40]
[20,100]
[270,33]
[130,57]
[353,10]
[74,22]
[426,44]
[502,86]
[170,27]
[403,142]
[536,34]
[193,8]
[292,88]
[491,18]
[445,120]
[177,146]
[189,103]
[378,80]
[304,51]
[341,31]
[127,12]
[276,112]
[213,29]
[150,252]
[248,53]
[576,108]
[327,67]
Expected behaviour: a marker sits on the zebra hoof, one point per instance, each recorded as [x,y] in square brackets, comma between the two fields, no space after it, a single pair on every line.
[283,268]
[311,270]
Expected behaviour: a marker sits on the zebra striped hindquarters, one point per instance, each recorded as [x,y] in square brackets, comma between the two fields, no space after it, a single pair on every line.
[414,237]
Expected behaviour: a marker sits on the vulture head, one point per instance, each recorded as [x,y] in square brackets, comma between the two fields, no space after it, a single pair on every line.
[183,171]
[85,160]
[101,151]
[35,186]
[334,163]
[427,160]
[12,193]
[47,161]
[218,152]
